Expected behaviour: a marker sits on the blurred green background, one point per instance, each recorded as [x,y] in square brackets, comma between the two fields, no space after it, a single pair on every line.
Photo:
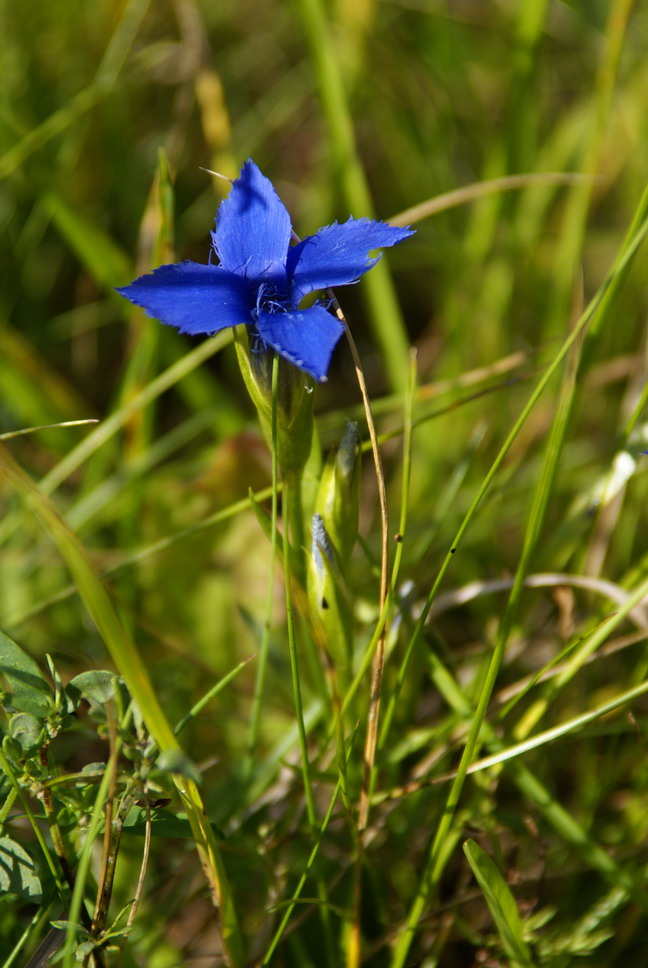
[111,110]
[109,113]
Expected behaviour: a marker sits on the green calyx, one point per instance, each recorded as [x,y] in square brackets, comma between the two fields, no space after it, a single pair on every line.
[295,397]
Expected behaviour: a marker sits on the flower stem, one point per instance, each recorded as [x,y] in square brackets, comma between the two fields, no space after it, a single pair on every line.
[354,953]
[293,563]
[288,496]
[265,639]
[294,521]
[293,544]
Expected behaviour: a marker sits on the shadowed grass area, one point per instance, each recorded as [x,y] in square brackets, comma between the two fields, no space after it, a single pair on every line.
[498,814]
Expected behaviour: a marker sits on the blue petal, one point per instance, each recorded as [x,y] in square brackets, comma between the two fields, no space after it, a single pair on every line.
[306,337]
[338,254]
[253,228]
[192,297]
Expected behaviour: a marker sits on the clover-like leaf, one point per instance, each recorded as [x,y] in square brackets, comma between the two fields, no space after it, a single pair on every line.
[18,874]
[27,730]
[30,692]
[98,686]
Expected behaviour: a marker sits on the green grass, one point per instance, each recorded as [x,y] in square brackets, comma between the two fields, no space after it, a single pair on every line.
[498,814]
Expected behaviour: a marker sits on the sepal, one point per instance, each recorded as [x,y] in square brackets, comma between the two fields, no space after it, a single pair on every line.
[294,401]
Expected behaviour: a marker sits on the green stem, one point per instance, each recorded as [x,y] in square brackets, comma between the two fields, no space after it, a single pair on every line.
[265,640]
[294,665]
[294,521]
[293,563]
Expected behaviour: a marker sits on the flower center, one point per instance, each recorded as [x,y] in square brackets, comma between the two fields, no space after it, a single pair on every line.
[271,298]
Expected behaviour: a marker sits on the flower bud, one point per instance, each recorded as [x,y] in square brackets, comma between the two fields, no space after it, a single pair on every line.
[338,496]
[328,595]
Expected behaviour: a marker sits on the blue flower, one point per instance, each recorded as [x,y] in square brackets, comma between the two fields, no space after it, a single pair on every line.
[261,278]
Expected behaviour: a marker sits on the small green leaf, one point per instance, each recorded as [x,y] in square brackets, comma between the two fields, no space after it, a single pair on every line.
[63,699]
[97,686]
[30,691]
[501,903]
[85,949]
[64,925]
[27,730]
[11,748]
[18,872]
[94,769]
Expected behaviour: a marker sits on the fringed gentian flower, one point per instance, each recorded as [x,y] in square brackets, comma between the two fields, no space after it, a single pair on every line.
[261,279]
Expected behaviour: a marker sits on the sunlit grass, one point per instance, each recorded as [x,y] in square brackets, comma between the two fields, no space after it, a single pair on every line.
[506,802]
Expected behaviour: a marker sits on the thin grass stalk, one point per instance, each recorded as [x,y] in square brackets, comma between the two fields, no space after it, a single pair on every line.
[311,812]
[556,732]
[294,671]
[77,909]
[139,890]
[432,871]
[309,864]
[353,951]
[639,218]
[376,677]
[523,107]
[592,642]
[293,520]
[408,436]
[566,826]
[535,521]
[477,190]
[112,830]
[341,752]
[578,201]
[408,427]
[46,947]
[109,427]
[634,417]
[208,696]
[626,254]
[292,482]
